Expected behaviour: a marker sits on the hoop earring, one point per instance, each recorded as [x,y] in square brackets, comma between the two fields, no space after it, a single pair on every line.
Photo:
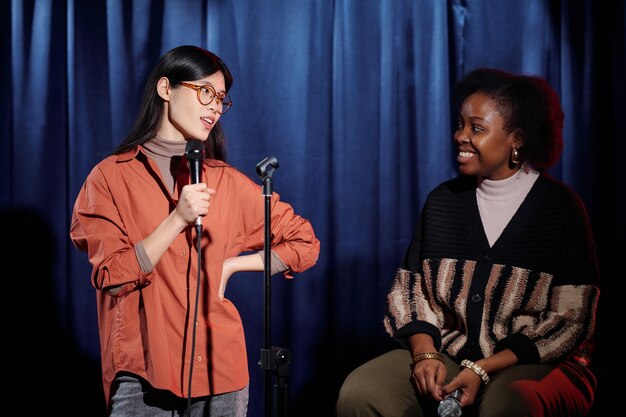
[515,156]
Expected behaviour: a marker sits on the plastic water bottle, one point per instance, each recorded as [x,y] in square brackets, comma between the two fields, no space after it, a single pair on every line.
[450,406]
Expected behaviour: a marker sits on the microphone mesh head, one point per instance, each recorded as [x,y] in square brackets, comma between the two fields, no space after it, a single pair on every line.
[449,407]
[194,149]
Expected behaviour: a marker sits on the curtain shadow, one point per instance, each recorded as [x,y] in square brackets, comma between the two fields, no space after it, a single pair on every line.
[49,370]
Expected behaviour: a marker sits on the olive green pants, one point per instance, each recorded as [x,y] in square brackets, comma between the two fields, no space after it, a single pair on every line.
[382,388]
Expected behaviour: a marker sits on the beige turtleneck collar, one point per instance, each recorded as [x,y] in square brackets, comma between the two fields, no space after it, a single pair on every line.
[163,151]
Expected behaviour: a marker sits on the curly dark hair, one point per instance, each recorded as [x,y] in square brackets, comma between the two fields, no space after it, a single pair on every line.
[529,105]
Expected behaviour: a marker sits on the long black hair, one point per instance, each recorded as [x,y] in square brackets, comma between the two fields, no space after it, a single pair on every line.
[185,62]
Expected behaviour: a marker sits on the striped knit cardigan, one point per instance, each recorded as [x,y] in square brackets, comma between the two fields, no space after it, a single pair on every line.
[534,291]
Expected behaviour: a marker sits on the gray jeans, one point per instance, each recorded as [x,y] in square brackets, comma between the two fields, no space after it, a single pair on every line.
[132,396]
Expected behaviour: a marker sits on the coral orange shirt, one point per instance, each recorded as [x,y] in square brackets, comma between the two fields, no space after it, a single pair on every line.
[145,328]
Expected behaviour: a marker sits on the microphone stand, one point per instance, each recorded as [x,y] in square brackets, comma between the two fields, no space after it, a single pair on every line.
[274,359]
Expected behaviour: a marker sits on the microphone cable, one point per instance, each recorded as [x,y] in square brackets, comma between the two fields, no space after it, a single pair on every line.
[195,315]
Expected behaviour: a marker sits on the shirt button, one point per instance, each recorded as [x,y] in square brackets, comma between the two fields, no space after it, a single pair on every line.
[486,258]
[183,253]
[476,298]
[199,358]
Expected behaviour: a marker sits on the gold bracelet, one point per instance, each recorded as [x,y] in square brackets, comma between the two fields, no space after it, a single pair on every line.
[466,363]
[427,355]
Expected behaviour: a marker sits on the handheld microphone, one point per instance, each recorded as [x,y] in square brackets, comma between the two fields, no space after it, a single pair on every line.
[450,406]
[194,150]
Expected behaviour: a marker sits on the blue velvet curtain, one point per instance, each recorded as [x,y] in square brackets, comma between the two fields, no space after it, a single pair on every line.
[352,98]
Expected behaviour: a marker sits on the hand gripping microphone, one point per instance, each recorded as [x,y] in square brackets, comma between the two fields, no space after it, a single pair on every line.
[450,406]
[194,150]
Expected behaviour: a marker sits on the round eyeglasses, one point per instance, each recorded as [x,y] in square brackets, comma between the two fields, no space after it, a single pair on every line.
[206,94]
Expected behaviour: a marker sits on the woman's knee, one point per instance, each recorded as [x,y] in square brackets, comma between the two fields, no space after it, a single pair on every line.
[356,392]
[377,386]
[537,390]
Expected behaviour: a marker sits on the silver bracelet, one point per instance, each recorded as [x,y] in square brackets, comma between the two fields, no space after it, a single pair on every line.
[466,363]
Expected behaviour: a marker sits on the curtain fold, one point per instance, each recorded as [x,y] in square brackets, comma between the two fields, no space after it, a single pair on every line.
[352,98]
